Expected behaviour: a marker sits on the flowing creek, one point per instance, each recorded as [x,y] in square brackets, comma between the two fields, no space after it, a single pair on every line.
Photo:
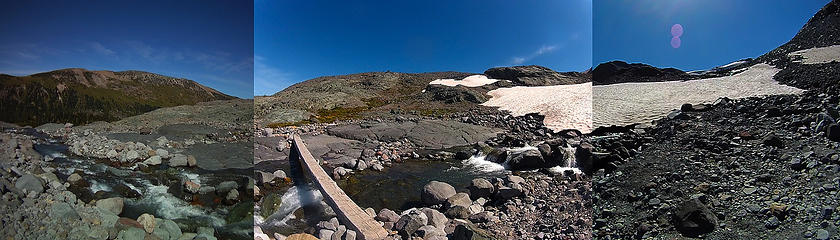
[158,190]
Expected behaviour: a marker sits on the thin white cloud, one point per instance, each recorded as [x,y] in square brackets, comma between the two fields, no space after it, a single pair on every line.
[98,47]
[542,50]
[267,79]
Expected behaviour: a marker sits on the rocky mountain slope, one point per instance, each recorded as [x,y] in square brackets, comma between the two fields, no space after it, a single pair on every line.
[82,96]
[350,96]
[764,168]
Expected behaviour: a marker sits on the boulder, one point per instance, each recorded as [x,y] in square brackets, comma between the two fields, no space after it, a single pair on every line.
[131,234]
[693,218]
[429,231]
[460,212]
[507,193]
[459,199]
[178,160]
[153,160]
[265,177]
[114,205]
[226,186]
[436,192]
[148,222]
[279,174]
[435,217]
[73,178]
[527,160]
[387,215]
[30,183]
[191,161]
[191,186]
[410,222]
[63,212]
[480,188]
[162,153]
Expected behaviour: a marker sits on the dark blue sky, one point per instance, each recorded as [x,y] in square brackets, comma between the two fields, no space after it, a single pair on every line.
[715,32]
[300,40]
[209,42]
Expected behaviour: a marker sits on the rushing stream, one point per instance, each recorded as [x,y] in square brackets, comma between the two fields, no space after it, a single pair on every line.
[157,190]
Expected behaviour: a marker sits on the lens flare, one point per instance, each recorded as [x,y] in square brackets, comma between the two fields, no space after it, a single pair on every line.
[676,42]
[676,30]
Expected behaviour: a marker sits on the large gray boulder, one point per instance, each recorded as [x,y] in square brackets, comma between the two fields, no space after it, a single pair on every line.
[436,192]
[30,183]
[114,205]
[481,188]
[178,160]
[527,160]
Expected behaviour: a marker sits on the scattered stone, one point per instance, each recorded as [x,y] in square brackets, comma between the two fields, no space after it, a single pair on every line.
[436,193]
[148,222]
[178,160]
[30,183]
[693,218]
[480,188]
[114,205]
[410,222]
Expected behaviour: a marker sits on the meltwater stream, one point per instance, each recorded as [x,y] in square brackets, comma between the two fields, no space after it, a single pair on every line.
[157,191]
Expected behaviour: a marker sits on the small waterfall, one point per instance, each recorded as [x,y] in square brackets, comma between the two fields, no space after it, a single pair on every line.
[295,198]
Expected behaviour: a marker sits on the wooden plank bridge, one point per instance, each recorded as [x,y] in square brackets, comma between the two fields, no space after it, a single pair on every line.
[349,214]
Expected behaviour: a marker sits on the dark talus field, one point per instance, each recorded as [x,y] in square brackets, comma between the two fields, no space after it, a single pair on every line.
[178,172]
[756,168]
[424,159]
[84,96]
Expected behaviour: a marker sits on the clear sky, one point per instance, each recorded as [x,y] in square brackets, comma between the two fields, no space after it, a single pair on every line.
[715,32]
[209,42]
[300,40]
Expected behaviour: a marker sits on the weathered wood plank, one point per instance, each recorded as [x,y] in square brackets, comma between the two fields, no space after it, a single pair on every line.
[348,212]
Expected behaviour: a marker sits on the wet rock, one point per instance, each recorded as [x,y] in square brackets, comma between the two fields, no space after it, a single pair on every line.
[480,188]
[361,165]
[148,222]
[693,218]
[191,186]
[73,178]
[265,177]
[114,205]
[226,186]
[410,222]
[377,167]
[31,183]
[232,196]
[279,174]
[387,215]
[527,160]
[178,160]
[436,193]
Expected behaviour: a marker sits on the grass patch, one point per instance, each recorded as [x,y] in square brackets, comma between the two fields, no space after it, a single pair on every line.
[288,124]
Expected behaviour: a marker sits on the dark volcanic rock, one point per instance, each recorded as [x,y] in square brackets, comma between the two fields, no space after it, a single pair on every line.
[693,218]
[527,160]
[534,76]
[621,72]
[455,94]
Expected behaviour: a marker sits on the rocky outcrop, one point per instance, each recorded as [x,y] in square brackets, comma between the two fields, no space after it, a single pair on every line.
[621,72]
[534,76]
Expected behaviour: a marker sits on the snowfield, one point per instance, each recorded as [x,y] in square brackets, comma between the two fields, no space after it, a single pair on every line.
[817,55]
[471,81]
[564,106]
[629,103]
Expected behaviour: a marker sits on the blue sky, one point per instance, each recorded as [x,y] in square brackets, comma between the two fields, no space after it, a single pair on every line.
[715,32]
[300,40]
[209,42]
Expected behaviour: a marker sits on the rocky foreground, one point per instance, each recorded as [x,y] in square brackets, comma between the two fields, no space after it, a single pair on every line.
[763,168]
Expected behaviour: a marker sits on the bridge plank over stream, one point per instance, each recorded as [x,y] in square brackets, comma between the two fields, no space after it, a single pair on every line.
[348,212]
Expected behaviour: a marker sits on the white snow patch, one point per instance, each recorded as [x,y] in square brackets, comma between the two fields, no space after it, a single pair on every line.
[629,103]
[471,81]
[817,55]
[564,106]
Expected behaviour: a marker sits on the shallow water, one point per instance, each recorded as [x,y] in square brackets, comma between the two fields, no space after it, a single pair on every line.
[160,191]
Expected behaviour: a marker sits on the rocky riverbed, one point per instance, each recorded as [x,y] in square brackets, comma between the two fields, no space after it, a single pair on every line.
[525,183]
